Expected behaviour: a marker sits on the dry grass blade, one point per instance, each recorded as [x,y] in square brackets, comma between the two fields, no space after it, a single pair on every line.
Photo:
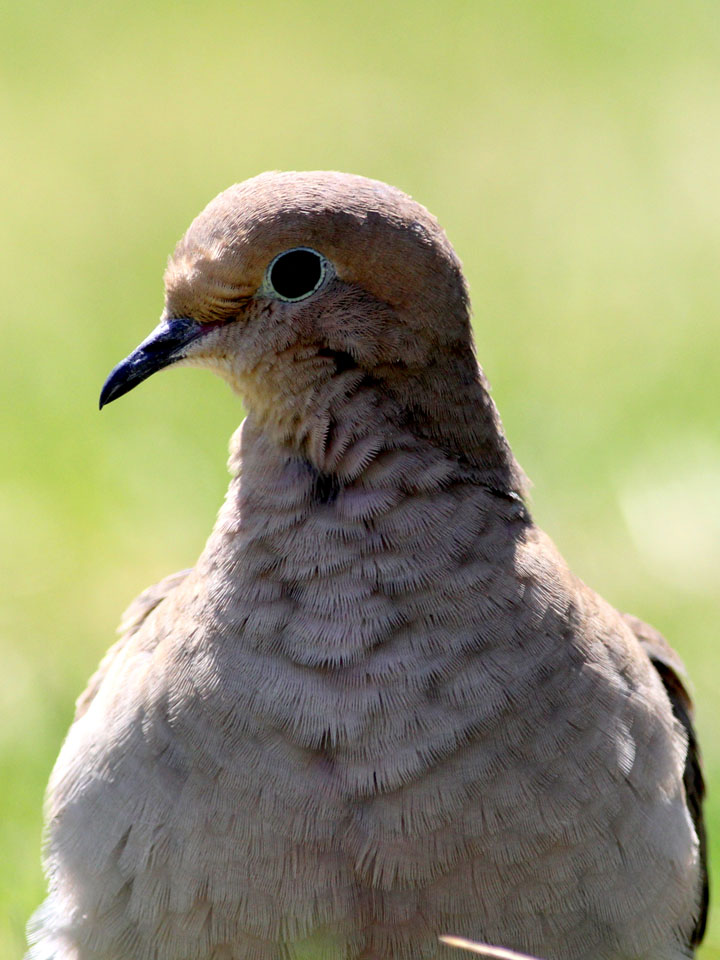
[484,949]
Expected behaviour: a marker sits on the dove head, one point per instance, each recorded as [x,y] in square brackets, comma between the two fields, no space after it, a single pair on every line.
[299,287]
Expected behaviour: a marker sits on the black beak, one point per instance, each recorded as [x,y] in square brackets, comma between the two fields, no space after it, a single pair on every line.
[167,343]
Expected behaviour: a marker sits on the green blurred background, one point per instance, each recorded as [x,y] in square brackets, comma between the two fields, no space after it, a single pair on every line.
[571,150]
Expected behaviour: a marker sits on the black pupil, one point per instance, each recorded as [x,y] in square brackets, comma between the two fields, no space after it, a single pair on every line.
[296,273]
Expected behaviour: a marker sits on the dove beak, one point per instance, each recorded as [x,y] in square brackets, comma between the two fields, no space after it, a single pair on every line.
[168,343]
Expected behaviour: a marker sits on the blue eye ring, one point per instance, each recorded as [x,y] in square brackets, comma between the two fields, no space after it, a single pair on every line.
[295,274]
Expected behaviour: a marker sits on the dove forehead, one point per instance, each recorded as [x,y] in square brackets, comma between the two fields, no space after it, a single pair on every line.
[374,234]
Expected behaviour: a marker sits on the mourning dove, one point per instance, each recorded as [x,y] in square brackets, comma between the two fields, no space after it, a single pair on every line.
[380,709]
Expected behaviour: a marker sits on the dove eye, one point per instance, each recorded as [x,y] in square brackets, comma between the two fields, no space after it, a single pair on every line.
[295,274]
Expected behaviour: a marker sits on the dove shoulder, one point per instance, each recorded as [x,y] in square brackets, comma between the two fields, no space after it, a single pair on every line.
[130,622]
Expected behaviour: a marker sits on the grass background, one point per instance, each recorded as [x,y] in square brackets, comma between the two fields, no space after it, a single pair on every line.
[571,151]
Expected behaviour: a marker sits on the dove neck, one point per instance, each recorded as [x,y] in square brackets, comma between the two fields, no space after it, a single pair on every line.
[344,422]
[302,563]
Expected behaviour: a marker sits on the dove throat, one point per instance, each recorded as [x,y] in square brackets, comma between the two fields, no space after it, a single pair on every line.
[323,405]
